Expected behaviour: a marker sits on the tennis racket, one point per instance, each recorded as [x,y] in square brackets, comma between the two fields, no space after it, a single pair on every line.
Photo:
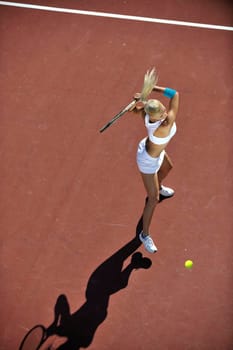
[120,114]
[34,338]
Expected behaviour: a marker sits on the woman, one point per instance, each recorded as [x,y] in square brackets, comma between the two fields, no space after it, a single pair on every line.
[152,160]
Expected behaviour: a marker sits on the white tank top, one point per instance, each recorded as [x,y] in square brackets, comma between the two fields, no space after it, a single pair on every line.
[151,127]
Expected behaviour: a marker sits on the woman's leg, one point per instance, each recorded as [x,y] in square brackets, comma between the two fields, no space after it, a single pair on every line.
[162,173]
[165,168]
[151,184]
[152,187]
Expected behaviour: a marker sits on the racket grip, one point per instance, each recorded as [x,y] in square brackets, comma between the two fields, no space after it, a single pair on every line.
[105,127]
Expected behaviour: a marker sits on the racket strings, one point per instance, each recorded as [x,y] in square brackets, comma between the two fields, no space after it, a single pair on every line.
[33,339]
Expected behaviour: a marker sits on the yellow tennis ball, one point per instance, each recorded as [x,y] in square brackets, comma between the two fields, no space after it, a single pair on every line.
[188,264]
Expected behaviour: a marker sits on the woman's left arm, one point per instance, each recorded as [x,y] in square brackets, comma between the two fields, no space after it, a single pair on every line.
[174,98]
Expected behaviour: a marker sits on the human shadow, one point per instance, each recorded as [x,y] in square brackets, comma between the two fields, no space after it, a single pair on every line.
[162,198]
[108,278]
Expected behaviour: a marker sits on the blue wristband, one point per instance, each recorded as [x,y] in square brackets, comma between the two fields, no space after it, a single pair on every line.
[169,92]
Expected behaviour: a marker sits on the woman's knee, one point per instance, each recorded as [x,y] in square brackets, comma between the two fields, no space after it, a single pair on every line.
[153,200]
[170,166]
[168,162]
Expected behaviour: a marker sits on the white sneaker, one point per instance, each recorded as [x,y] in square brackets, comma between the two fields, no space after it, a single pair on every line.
[166,191]
[148,243]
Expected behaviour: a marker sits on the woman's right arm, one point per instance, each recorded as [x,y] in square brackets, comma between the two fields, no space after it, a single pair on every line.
[139,106]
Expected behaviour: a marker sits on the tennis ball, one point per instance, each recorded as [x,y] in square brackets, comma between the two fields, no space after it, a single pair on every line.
[188,264]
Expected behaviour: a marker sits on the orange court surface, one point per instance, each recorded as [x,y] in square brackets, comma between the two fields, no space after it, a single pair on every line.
[72,197]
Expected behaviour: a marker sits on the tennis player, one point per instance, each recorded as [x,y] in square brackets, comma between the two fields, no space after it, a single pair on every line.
[153,162]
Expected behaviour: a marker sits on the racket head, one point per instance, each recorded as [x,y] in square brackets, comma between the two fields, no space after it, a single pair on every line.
[34,338]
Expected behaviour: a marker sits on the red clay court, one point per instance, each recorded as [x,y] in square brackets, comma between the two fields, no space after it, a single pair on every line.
[72,198]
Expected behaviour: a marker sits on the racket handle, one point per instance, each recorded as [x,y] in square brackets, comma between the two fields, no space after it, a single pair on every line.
[105,127]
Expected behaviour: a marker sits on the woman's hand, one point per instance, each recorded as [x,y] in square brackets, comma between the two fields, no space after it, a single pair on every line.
[139,106]
[137,96]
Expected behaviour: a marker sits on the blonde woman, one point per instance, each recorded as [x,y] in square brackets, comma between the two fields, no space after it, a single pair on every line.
[152,160]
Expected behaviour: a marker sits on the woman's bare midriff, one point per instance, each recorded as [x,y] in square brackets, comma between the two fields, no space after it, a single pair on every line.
[154,150]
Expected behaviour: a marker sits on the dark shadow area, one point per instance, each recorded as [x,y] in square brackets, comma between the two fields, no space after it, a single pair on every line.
[108,278]
[162,198]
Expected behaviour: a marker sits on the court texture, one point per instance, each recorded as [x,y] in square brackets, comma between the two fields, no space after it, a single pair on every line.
[72,197]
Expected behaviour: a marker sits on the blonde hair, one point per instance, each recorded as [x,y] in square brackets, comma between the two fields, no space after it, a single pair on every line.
[152,106]
[150,80]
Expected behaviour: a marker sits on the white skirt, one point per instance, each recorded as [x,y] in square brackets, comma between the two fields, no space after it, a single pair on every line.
[146,163]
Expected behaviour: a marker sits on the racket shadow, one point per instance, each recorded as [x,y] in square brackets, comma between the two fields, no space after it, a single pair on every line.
[107,279]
